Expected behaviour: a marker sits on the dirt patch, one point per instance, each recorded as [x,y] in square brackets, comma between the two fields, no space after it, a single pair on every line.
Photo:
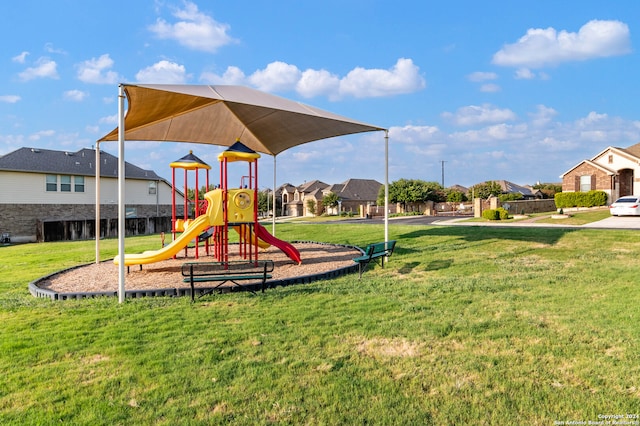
[316,258]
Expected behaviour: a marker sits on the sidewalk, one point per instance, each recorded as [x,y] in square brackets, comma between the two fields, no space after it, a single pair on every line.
[613,222]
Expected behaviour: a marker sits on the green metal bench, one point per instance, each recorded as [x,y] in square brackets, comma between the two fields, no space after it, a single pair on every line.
[222,272]
[375,252]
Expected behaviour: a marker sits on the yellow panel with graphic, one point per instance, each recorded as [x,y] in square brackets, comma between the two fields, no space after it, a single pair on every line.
[214,207]
[240,205]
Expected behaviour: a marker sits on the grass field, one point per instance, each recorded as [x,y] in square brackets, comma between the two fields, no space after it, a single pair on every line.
[465,325]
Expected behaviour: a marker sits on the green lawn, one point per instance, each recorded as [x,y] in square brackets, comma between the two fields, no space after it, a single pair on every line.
[465,325]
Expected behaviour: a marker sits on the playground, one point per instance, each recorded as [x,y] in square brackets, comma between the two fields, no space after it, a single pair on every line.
[320,261]
[201,234]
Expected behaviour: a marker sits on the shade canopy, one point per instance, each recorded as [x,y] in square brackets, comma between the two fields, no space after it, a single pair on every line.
[217,115]
[220,115]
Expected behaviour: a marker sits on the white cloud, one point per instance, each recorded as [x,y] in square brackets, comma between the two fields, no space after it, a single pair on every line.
[97,71]
[524,74]
[480,76]
[490,88]
[233,75]
[402,78]
[45,68]
[317,82]
[21,58]
[111,119]
[413,134]
[542,116]
[163,72]
[544,47]
[10,99]
[50,49]
[75,95]
[43,133]
[277,76]
[193,29]
[592,118]
[473,114]
[280,76]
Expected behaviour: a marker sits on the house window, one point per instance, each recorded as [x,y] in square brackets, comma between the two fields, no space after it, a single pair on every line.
[52,183]
[65,183]
[78,183]
[611,159]
[585,183]
[152,188]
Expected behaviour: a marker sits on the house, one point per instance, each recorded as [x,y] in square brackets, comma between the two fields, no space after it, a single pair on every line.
[527,192]
[613,170]
[355,196]
[49,195]
[295,199]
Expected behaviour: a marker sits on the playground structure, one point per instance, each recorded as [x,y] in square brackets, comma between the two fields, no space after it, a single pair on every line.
[189,162]
[221,209]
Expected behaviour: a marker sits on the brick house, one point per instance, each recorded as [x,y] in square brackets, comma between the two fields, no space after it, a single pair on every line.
[49,195]
[356,196]
[615,171]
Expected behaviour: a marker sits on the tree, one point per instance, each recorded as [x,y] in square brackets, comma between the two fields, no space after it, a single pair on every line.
[549,190]
[330,200]
[455,196]
[405,191]
[486,189]
[311,206]
[265,201]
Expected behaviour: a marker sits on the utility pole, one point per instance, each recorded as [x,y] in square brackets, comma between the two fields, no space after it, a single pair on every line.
[442,162]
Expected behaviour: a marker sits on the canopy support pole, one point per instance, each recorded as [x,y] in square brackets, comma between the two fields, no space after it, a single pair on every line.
[121,194]
[273,195]
[97,227]
[386,185]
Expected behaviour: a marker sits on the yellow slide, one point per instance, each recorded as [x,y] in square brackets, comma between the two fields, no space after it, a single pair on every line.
[195,228]
[198,226]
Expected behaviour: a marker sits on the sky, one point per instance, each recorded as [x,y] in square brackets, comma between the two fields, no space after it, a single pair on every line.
[469,91]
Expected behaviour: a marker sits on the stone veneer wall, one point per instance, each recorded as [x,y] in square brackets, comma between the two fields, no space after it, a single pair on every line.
[25,222]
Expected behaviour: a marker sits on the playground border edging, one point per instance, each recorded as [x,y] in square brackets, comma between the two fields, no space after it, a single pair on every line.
[186,291]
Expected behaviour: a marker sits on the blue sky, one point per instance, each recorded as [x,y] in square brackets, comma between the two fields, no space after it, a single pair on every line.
[520,91]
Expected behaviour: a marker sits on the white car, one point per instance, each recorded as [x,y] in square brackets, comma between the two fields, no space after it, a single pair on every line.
[626,206]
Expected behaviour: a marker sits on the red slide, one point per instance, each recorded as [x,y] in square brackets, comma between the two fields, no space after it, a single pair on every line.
[287,248]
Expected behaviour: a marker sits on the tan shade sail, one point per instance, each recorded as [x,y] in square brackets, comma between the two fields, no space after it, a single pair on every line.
[220,115]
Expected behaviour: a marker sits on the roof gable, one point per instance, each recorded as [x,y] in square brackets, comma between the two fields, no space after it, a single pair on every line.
[591,163]
[633,150]
[360,189]
[80,163]
[311,186]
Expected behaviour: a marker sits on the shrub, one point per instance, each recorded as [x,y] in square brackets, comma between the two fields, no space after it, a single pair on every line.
[491,214]
[580,199]
[495,214]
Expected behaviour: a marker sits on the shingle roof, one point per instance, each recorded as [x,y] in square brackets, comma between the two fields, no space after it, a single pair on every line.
[310,186]
[80,163]
[360,189]
[633,150]
[511,188]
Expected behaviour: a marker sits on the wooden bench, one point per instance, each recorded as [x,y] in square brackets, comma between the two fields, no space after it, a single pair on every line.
[222,272]
[375,252]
